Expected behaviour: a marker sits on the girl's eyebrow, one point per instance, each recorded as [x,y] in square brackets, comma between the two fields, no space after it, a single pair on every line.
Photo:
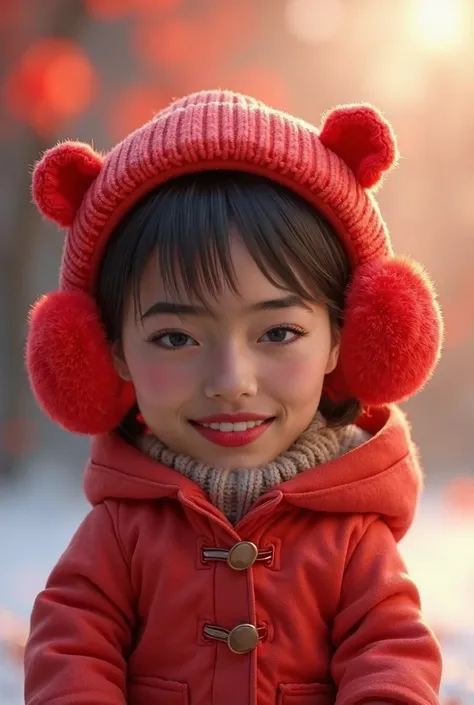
[179,309]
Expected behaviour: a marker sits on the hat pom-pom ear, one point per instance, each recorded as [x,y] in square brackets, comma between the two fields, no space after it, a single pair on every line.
[61,179]
[363,139]
[392,335]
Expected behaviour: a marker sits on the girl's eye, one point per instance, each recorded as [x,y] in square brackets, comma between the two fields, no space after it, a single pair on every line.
[173,340]
[283,334]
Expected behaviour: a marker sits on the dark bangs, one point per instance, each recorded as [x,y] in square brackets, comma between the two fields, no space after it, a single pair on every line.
[187,223]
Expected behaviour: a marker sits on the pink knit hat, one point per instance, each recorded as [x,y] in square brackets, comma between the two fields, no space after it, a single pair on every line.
[392,325]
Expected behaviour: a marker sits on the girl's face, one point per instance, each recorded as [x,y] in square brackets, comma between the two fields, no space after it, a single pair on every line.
[255,361]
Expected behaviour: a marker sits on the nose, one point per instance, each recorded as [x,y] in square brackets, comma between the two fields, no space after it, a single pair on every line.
[231,375]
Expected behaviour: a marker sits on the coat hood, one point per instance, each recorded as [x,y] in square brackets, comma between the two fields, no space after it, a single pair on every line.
[382,476]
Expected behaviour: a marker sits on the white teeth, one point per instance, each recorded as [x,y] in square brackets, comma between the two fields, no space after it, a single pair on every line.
[232,427]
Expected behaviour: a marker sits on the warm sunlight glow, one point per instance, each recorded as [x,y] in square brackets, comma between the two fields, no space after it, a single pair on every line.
[438,23]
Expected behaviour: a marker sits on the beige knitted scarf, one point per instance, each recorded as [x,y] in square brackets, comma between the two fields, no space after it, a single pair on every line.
[235,491]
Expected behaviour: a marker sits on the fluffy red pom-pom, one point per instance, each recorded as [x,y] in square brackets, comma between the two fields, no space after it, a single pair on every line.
[392,332]
[61,179]
[71,367]
[363,139]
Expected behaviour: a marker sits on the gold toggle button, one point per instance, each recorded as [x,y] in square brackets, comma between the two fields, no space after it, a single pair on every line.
[242,555]
[242,639]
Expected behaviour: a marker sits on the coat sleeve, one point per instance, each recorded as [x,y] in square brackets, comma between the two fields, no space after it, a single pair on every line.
[82,623]
[383,650]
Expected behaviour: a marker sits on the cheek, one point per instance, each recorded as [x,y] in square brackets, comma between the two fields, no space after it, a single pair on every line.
[299,378]
[158,377]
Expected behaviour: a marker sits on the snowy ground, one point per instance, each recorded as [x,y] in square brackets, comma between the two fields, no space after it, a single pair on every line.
[38,518]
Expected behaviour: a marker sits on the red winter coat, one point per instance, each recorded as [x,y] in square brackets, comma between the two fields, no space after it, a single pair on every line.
[128,612]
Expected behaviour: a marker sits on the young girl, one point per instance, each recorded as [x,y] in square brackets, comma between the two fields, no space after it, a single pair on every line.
[233,330]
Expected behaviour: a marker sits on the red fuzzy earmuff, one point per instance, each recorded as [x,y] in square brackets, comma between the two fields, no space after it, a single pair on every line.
[71,365]
[392,334]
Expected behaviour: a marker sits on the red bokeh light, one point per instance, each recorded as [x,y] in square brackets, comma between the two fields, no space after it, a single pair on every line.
[53,81]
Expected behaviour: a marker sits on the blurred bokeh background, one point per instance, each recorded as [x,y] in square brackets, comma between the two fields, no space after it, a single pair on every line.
[94,70]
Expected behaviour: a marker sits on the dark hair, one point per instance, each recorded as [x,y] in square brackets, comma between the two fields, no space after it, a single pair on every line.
[186,224]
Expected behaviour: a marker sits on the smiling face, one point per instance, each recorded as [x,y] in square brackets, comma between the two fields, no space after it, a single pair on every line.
[222,296]
[259,350]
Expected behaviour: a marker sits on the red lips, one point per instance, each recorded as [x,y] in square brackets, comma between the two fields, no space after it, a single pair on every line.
[233,439]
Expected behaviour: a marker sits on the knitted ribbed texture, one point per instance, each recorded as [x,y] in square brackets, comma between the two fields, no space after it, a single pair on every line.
[235,491]
[220,129]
